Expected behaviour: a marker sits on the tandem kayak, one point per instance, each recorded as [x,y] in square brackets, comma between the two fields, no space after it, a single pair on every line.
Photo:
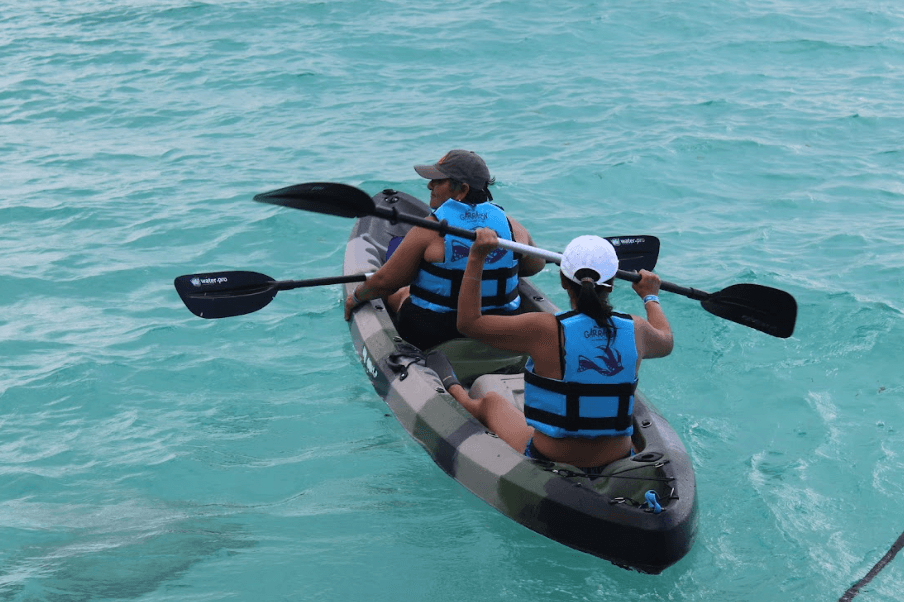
[641,514]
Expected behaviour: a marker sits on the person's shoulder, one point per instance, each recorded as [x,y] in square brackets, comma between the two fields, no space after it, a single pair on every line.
[544,319]
[418,237]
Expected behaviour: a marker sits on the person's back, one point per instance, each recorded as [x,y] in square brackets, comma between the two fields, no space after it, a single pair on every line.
[583,369]
[594,396]
[437,284]
[434,265]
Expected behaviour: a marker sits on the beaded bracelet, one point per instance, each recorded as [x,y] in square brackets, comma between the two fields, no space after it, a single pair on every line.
[649,298]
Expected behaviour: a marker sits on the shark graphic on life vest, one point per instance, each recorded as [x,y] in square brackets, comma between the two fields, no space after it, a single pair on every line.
[611,359]
[460,250]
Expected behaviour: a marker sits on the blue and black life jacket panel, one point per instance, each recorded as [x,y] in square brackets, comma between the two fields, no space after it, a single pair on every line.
[595,397]
[436,285]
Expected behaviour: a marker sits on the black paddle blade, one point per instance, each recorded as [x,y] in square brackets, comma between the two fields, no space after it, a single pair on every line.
[759,307]
[225,294]
[321,197]
[635,253]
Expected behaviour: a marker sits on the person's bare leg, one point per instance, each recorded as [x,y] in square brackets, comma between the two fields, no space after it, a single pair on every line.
[494,411]
[395,300]
[497,414]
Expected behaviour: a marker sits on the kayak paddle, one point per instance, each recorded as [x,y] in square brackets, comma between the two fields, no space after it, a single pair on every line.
[762,308]
[756,306]
[634,252]
[226,294]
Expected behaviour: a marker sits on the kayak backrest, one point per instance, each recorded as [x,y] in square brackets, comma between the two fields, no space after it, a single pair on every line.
[509,386]
[472,359]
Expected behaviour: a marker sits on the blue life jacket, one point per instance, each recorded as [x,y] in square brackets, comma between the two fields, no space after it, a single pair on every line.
[436,285]
[595,397]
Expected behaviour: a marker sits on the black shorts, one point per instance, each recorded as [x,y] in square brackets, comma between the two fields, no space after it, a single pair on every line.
[424,328]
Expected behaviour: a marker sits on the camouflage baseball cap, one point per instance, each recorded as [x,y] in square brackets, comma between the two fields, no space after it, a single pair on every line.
[464,166]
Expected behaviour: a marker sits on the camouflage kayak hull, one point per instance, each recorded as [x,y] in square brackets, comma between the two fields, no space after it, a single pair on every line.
[613,516]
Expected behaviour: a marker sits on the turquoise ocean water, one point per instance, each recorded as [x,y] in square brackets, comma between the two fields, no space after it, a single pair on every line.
[149,455]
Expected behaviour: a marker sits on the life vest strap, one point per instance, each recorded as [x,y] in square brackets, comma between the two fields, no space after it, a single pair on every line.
[573,392]
[499,275]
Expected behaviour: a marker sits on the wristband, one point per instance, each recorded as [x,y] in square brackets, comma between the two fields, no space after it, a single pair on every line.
[355,297]
[649,298]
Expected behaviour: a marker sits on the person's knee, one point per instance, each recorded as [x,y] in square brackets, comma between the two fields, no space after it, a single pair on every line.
[396,299]
[495,406]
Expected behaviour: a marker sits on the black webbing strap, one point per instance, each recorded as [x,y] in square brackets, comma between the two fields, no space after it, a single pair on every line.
[572,420]
[500,275]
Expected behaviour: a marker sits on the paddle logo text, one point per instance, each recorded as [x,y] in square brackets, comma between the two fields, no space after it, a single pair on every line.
[626,241]
[197,281]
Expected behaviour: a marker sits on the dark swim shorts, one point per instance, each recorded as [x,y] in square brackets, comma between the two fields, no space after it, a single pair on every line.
[424,328]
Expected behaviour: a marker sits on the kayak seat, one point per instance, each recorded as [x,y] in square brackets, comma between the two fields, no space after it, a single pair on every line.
[471,359]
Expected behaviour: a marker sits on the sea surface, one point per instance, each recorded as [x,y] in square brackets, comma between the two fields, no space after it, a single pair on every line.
[149,455]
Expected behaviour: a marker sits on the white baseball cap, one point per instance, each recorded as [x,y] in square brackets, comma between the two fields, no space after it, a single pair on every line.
[592,253]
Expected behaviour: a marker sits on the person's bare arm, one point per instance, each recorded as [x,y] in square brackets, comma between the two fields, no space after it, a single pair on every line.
[526,333]
[523,333]
[399,271]
[654,334]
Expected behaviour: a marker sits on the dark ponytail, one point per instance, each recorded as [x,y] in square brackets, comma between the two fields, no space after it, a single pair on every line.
[474,196]
[592,300]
